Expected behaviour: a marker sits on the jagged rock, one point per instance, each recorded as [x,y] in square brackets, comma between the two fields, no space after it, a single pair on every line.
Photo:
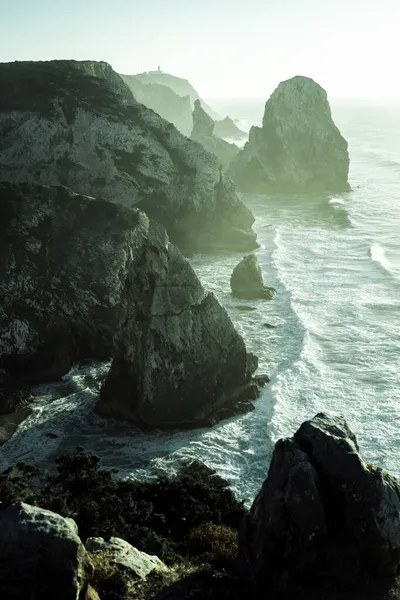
[228,129]
[164,101]
[77,124]
[41,555]
[322,516]
[202,122]
[202,132]
[247,282]
[122,554]
[86,278]
[298,148]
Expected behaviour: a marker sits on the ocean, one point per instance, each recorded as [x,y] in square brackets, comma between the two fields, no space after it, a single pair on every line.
[334,344]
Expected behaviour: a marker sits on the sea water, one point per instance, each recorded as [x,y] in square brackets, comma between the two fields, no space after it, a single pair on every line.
[329,340]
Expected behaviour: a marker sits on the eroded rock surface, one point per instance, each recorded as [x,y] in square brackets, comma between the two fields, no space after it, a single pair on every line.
[203,132]
[322,514]
[298,149]
[41,555]
[227,128]
[247,281]
[87,278]
[77,124]
[119,552]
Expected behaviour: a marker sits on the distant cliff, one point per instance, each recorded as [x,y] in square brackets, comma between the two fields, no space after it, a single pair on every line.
[180,86]
[164,101]
[203,132]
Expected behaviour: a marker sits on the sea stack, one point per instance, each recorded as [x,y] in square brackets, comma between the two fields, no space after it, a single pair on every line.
[298,149]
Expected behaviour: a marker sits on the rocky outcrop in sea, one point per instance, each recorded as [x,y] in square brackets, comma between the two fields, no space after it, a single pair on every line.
[77,124]
[298,149]
[87,278]
[202,132]
[247,281]
[227,128]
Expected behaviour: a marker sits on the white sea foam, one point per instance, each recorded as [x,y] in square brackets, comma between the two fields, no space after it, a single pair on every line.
[336,201]
[378,254]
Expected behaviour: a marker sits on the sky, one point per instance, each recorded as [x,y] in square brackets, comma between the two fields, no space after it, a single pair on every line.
[227,49]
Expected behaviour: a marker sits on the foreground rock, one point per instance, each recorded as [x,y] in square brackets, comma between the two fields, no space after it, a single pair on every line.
[227,128]
[118,552]
[323,517]
[247,282]
[41,555]
[298,148]
[85,278]
[77,124]
[202,132]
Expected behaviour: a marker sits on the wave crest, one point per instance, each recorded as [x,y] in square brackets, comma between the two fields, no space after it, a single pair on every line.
[377,253]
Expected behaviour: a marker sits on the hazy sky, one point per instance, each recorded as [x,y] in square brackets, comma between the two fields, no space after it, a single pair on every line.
[236,48]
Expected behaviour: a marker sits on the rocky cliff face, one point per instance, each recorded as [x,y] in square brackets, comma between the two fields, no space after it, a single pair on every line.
[77,124]
[323,517]
[180,86]
[226,128]
[164,101]
[298,148]
[202,132]
[87,278]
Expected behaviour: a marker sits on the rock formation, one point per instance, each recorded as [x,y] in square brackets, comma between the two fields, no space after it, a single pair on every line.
[87,278]
[180,86]
[41,555]
[77,124]
[247,282]
[164,101]
[227,128]
[202,132]
[298,149]
[323,517]
[118,552]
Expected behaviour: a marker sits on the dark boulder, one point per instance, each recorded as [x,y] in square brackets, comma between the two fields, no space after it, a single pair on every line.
[76,123]
[86,278]
[247,282]
[298,149]
[41,555]
[323,518]
[13,395]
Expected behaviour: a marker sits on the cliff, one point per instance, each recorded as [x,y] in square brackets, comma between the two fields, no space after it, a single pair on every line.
[298,149]
[202,132]
[77,124]
[164,101]
[180,86]
[87,278]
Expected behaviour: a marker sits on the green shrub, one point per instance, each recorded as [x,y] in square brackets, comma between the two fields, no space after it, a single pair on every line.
[216,544]
[154,516]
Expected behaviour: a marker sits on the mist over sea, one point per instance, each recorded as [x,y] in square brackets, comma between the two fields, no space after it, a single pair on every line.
[334,345]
